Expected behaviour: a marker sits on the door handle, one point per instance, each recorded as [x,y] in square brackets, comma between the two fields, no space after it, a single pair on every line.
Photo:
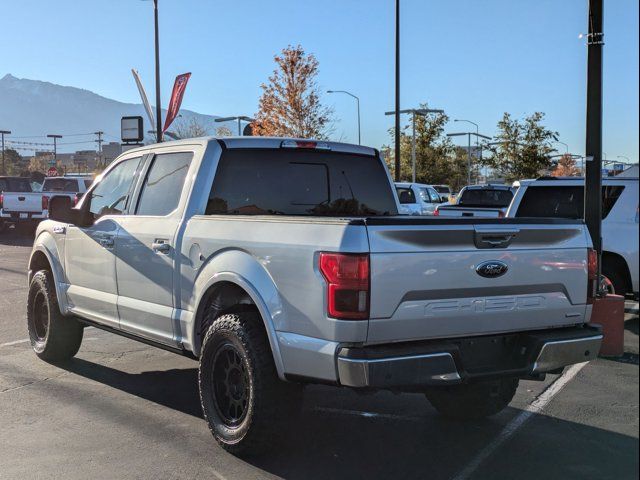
[160,247]
[106,242]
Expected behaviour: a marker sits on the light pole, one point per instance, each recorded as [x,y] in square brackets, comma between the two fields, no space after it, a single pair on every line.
[565,145]
[414,112]
[477,131]
[3,133]
[397,99]
[157,51]
[55,147]
[240,119]
[357,103]
[468,134]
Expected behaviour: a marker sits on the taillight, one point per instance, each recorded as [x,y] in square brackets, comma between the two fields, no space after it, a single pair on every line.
[436,212]
[347,276]
[308,144]
[592,274]
[45,202]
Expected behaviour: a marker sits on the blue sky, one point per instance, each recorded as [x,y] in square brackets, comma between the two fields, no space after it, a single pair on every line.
[475,59]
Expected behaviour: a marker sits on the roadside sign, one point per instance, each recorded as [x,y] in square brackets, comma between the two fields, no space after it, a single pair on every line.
[52,172]
[131,129]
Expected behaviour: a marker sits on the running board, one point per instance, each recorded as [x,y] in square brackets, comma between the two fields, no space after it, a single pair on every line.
[133,336]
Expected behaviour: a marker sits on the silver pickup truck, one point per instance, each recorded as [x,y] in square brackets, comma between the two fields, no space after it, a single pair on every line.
[281,262]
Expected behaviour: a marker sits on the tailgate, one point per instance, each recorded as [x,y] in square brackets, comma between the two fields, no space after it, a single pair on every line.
[29,202]
[434,278]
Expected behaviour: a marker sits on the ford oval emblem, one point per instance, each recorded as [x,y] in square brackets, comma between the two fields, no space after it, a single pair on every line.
[492,269]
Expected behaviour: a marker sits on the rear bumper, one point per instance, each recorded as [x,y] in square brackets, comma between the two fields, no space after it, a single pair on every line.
[16,217]
[415,365]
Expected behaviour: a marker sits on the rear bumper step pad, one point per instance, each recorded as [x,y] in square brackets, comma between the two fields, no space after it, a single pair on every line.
[414,365]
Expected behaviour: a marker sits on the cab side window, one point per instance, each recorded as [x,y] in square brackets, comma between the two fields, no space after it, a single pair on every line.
[111,195]
[406,195]
[162,188]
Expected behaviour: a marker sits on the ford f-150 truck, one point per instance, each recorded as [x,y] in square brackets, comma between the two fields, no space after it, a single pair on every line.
[279,262]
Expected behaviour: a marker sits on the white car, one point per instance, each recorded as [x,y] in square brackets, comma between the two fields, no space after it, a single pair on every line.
[417,198]
[564,197]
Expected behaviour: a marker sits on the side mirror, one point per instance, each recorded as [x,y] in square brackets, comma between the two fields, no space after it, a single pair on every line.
[61,210]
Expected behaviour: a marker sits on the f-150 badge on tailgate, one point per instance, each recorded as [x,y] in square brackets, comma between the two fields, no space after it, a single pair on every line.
[492,269]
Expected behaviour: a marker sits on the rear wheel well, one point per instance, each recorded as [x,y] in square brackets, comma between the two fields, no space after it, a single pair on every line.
[221,299]
[614,262]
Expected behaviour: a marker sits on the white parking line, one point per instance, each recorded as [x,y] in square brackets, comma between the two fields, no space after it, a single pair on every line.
[26,340]
[535,407]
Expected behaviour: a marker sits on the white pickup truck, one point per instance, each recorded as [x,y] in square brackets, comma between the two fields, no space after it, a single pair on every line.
[19,204]
[563,197]
[279,262]
[483,201]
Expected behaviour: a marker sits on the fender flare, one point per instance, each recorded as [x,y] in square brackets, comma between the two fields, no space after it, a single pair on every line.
[46,245]
[253,278]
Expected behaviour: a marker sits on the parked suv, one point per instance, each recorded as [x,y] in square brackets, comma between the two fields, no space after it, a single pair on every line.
[417,198]
[279,262]
[564,197]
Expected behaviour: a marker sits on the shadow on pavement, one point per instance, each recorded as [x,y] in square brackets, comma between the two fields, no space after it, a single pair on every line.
[16,238]
[414,443]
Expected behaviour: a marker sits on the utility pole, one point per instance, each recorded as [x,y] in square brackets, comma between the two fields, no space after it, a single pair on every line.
[158,104]
[55,147]
[397,107]
[593,148]
[99,142]
[3,133]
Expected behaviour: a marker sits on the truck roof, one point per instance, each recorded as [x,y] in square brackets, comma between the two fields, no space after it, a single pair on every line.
[261,142]
[550,181]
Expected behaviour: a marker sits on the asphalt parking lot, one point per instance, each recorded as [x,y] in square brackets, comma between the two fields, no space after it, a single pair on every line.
[121,409]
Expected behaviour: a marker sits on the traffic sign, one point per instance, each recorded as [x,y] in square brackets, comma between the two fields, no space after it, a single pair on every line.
[52,172]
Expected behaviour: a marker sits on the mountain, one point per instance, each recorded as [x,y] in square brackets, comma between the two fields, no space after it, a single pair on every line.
[33,107]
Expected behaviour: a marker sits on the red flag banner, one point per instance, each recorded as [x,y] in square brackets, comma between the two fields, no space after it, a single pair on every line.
[179,86]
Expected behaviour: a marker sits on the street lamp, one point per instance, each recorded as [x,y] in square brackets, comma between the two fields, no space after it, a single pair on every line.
[625,157]
[357,103]
[562,143]
[413,111]
[55,144]
[240,119]
[477,131]
[3,133]
[468,134]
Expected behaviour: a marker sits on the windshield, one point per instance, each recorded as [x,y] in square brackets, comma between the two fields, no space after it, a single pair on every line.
[486,197]
[60,185]
[300,182]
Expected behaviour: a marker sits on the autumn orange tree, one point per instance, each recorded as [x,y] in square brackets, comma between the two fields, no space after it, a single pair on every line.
[566,167]
[290,103]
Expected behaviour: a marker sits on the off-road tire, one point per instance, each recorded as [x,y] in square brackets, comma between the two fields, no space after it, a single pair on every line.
[474,400]
[268,400]
[53,336]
